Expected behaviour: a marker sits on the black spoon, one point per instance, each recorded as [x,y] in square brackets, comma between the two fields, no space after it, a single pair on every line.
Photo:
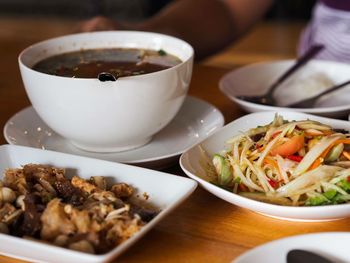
[309,102]
[303,256]
[267,98]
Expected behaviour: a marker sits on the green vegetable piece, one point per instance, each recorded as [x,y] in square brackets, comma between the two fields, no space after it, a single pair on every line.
[334,154]
[339,199]
[161,52]
[344,184]
[317,200]
[330,194]
[237,180]
[222,169]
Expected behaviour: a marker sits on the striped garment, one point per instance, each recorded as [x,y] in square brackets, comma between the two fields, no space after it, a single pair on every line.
[330,27]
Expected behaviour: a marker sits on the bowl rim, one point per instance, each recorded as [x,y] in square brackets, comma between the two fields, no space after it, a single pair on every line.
[119,32]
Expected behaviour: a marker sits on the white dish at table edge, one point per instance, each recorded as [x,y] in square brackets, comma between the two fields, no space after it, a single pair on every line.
[257,81]
[195,121]
[165,192]
[190,162]
[331,245]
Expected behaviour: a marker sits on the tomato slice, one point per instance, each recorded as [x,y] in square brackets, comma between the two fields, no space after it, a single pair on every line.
[295,158]
[290,147]
[273,183]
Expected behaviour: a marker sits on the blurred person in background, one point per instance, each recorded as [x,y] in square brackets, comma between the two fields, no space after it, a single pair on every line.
[330,26]
[210,25]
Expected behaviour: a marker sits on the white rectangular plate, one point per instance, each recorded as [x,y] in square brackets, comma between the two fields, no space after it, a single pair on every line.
[165,191]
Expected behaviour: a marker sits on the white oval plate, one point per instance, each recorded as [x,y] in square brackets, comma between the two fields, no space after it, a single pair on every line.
[255,79]
[195,121]
[165,192]
[331,245]
[190,162]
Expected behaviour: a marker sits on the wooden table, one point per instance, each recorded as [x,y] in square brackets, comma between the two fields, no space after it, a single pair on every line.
[202,229]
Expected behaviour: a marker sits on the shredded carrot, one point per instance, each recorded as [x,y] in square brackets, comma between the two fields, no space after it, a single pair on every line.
[316,163]
[345,141]
[346,154]
[323,155]
[325,152]
[320,159]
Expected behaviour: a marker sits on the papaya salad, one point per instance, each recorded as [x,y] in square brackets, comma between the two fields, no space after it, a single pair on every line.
[295,163]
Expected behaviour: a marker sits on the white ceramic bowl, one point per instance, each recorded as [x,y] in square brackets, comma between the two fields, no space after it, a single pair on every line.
[107,116]
[191,161]
[311,79]
[165,192]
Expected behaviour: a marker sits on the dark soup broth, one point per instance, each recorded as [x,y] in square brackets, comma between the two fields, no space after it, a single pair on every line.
[120,62]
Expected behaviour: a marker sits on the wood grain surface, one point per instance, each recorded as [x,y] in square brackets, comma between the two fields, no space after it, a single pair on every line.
[204,228]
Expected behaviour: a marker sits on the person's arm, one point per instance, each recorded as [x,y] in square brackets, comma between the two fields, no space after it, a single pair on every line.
[208,25]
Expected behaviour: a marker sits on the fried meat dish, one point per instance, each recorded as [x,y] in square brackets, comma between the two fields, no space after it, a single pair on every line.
[40,202]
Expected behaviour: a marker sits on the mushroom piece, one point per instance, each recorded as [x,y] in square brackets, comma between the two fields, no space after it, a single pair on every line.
[10,218]
[20,202]
[99,181]
[6,210]
[7,195]
[122,190]
[83,246]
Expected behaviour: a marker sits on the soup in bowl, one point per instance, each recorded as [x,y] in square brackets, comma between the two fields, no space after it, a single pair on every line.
[107,91]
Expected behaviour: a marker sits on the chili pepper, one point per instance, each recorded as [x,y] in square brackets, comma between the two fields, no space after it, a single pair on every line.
[295,158]
[273,183]
[243,187]
[348,179]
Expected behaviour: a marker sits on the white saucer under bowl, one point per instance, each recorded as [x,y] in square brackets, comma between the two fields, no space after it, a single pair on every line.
[195,121]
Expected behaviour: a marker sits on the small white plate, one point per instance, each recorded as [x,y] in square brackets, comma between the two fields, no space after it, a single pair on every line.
[165,192]
[195,121]
[314,77]
[331,245]
[191,163]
